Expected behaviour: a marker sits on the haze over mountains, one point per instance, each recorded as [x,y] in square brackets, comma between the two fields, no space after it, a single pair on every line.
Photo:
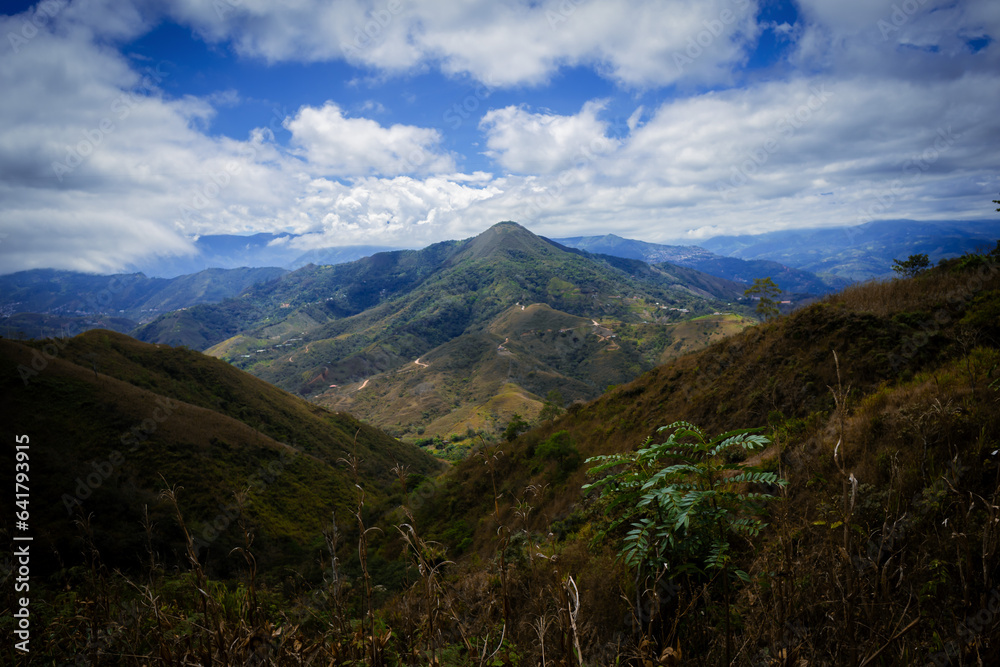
[860,252]
[793,281]
[47,302]
[231,251]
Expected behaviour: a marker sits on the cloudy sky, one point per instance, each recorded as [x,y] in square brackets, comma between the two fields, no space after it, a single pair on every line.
[129,127]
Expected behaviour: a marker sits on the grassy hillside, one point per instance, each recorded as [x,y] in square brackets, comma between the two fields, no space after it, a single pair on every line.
[113,421]
[882,549]
[894,531]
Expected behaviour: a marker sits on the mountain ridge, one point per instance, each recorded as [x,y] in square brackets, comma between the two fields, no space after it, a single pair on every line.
[355,325]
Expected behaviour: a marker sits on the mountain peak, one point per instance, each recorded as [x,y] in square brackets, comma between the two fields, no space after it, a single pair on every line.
[506,237]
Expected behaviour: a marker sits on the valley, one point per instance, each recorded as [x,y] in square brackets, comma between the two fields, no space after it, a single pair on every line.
[176,486]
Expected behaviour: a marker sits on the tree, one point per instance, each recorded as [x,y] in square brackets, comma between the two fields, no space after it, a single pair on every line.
[683,503]
[515,427]
[912,266]
[764,289]
[553,406]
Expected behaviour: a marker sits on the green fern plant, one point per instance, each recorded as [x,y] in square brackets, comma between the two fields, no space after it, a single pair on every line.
[684,502]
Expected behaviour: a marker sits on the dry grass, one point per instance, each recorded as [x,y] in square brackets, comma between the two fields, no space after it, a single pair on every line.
[884,297]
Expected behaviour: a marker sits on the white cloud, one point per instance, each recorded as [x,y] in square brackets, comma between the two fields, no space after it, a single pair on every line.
[541,143]
[508,43]
[341,146]
[904,127]
[919,39]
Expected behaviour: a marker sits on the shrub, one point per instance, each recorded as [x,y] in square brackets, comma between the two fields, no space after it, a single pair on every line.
[559,447]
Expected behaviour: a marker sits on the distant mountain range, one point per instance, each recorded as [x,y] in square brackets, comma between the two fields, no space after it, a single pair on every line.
[801,261]
[863,251]
[44,302]
[48,302]
[792,281]
[230,251]
[438,336]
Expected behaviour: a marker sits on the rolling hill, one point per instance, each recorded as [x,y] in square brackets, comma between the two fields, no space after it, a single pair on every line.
[878,403]
[881,406]
[113,421]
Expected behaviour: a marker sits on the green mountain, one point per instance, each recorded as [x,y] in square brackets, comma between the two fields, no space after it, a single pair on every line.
[879,409]
[113,421]
[792,281]
[351,335]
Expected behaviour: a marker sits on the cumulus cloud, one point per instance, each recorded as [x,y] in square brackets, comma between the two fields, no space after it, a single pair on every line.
[99,166]
[343,146]
[525,142]
[502,43]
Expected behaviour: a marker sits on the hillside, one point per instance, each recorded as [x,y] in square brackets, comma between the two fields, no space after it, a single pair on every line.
[130,419]
[792,281]
[912,399]
[881,549]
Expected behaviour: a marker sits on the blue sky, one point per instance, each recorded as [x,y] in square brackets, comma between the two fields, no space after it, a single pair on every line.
[130,127]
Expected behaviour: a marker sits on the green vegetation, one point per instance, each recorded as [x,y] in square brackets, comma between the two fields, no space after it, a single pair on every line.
[682,499]
[881,549]
[515,427]
[764,290]
[120,301]
[911,266]
[685,504]
[559,447]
